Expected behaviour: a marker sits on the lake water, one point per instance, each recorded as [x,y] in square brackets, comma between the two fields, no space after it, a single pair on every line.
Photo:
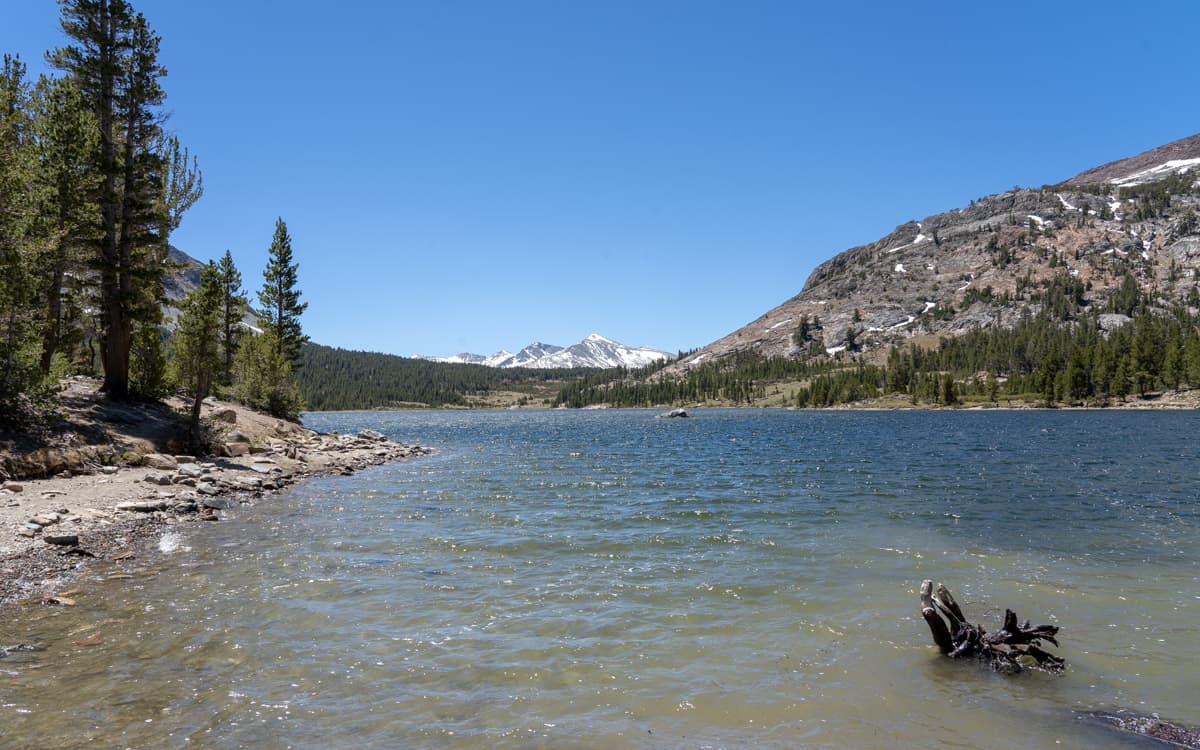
[605,579]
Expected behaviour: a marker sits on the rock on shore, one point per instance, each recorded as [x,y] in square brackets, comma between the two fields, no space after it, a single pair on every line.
[97,505]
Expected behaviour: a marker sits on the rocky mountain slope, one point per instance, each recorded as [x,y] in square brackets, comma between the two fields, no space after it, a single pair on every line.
[593,351]
[182,277]
[994,260]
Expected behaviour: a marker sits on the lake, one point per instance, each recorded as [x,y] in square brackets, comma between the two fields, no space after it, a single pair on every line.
[605,579]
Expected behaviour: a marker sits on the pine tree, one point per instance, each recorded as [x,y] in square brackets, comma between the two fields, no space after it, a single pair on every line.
[262,378]
[114,64]
[66,138]
[18,239]
[183,184]
[1125,300]
[196,346]
[233,308]
[148,372]
[280,298]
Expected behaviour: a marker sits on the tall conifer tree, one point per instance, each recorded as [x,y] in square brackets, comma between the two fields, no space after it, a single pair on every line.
[66,135]
[18,211]
[280,298]
[233,308]
[196,355]
[114,64]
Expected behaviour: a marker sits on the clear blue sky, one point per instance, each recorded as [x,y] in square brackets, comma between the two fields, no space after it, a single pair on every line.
[469,176]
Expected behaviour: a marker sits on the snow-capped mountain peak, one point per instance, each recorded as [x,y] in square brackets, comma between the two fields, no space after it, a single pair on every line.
[497,359]
[593,351]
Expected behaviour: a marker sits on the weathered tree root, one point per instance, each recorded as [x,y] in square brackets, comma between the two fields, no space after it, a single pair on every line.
[1004,649]
[6,650]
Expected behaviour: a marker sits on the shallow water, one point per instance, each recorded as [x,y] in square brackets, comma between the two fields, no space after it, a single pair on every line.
[609,580]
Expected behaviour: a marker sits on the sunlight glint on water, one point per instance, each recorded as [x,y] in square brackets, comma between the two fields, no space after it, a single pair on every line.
[608,580]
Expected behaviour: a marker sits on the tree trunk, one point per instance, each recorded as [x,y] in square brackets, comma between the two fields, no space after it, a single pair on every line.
[1008,649]
[116,343]
[116,334]
[197,437]
[52,330]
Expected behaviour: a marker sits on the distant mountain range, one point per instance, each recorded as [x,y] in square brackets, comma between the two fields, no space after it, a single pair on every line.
[593,351]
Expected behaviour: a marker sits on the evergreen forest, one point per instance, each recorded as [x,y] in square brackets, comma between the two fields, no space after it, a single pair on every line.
[92,185]
[334,379]
[1043,360]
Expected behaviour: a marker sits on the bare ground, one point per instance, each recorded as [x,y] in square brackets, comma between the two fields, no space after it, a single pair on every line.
[104,479]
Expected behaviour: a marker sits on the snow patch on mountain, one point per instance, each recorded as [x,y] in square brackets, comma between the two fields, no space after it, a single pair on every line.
[1157,172]
[526,357]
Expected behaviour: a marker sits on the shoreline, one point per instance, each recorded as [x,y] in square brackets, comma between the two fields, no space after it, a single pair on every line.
[1185,399]
[53,529]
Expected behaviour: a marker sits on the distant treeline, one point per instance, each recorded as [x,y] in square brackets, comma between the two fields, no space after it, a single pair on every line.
[334,379]
[1043,358]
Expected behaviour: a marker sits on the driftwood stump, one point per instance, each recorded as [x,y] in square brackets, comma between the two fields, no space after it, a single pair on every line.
[1004,649]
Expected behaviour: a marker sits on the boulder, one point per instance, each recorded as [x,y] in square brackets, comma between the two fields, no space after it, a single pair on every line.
[229,416]
[1109,322]
[160,479]
[372,435]
[65,540]
[675,414]
[142,506]
[236,449]
[12,487]
[160,461]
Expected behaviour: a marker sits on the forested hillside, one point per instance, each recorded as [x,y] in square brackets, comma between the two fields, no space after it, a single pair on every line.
[1090,308]
[334,379]
[1040,361]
